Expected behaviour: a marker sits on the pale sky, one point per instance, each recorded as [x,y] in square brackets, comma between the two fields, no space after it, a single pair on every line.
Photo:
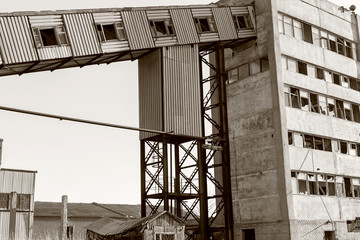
[88,163]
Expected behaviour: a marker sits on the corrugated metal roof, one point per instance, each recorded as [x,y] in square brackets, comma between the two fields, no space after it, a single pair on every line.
[108,226]
[82,210]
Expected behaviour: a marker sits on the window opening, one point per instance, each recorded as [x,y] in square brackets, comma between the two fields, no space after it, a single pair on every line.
[294,93]
[302,68]
[290,138]
[348,115]
[205,25]
[343,147]
[307,33]
[348,49]
[356,187]
[347,184]
[318,143]
[48,37]
[304,100]
[340,46]
[308,141]
[312,184]
[336,78]
[298,34]
[248,234]
[339,109]
[331,185]
[352,149]
[264,62]
[4,200]
[109,32]
[345,81]
[356,112]
[329,235]
[322,184]
[322,105]
[242,21]
[161,28]
[332,43]
[319,73]
[331,107]
[340,186]
[23,202]
[314,103]
[302,183]
[327,145]
[316,36]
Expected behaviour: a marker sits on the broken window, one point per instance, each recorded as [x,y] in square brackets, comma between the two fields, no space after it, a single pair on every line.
[340,46]
[348,49]
[318,143]
[330,185]
[312,184]
[162,28]
[4,200]
[50,36]
[356,187]
[302,68]
[302,183]
[295,97]
[347,183]
[328,76]
[322,105]
[355,112]
[308,141]
[340,191]
[348,115]
[331,107]
[354,84]
[242,21]
[322,189]
[336,79]
[352,149]
[343,147]
[339,109]
[332,43]
[307,33]
[205,24]
[304,96]
[248,234]
[287,96]
[314,102]
[109,32]
[319,73]
[344,81]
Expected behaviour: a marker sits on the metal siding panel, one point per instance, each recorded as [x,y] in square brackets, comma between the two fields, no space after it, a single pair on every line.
[45,20]
[136,22]
[224,23]
[46,53]
[165,41]
[4,225]
[239,10]
[181,90]
[22,225]
[115,46]
[27,184]
[209,37]
[201,12]
[158,14]
[107,17]
[184,26]
[150,94]
[82,35]
[247,33]
[16,44]
[6,182]
[17,182]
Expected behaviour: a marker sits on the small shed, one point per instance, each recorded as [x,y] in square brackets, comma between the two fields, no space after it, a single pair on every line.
[160,226]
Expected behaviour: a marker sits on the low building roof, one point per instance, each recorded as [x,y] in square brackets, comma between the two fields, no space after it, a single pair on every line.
[87,210]
[108,226]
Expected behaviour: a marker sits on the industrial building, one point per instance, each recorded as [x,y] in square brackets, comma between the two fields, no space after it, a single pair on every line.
[294,123]
[283,157]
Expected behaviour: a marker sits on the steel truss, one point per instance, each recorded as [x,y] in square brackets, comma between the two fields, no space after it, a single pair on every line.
[190,176]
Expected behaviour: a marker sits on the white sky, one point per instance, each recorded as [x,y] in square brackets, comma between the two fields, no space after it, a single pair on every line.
[87,163]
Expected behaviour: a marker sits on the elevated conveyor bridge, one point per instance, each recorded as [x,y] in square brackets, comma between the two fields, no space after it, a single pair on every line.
[179,161]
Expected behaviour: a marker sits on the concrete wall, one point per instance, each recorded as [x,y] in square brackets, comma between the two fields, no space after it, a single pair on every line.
[256,136]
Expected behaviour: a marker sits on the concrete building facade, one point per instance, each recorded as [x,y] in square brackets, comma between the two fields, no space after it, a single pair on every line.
[294,122]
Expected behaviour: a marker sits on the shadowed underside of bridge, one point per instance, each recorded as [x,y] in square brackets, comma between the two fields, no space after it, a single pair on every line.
[186,169]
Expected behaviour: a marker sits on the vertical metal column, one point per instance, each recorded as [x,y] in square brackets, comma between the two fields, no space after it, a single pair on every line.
[142,178]
[177,182]
[165,174]
[203,196]
[224,134]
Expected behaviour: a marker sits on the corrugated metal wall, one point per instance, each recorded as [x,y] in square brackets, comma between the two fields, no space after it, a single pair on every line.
[22,182]
[52,52]
[162,15]
[184,26]
[16,44]
[150,93]
[110,18]
[82,34]
[182,99]
[136,22]
[225,23]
